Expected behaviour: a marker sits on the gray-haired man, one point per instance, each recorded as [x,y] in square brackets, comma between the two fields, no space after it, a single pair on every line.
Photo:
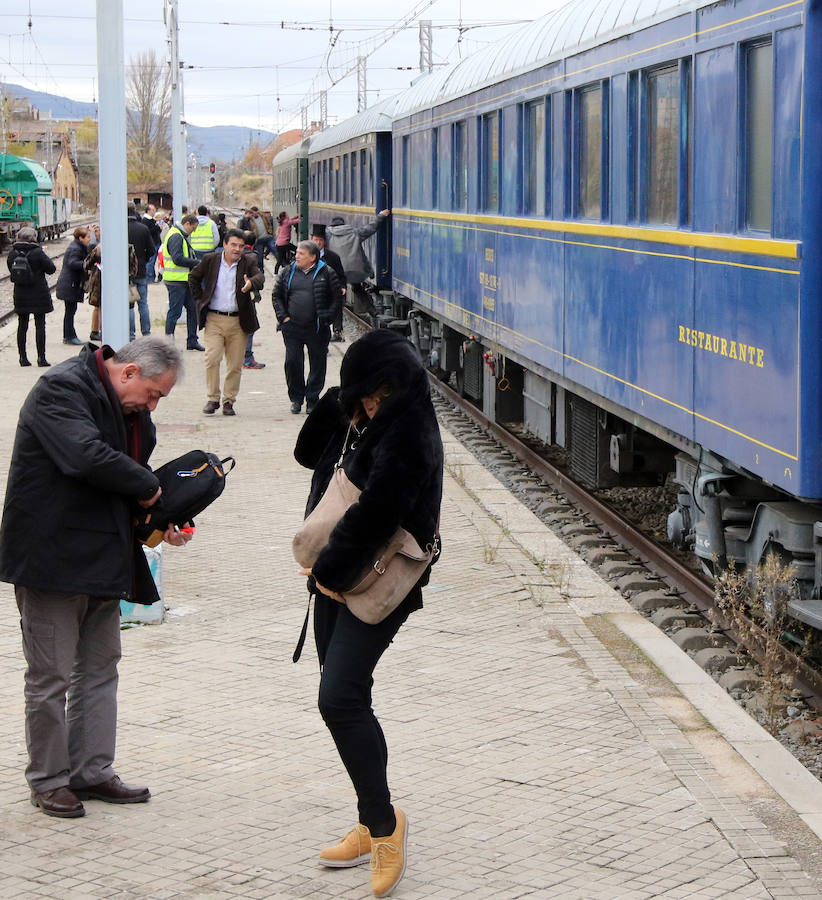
[78,475]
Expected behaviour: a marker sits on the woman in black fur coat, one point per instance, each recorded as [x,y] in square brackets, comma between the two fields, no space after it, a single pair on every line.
[393,453]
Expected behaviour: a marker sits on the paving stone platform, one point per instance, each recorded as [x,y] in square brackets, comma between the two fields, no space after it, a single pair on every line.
[537,743]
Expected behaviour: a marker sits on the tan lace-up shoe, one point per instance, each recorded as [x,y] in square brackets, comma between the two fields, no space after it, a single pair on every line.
[388,857]
[353,849]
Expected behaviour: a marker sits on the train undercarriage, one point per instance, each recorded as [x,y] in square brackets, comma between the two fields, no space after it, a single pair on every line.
[722,513]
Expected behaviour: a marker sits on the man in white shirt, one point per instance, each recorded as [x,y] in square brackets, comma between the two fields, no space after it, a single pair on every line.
[223,284]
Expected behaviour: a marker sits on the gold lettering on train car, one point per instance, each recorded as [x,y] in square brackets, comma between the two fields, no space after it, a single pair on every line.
[787,473]
[714,343]
[404,251]
[488,303]
[489,254]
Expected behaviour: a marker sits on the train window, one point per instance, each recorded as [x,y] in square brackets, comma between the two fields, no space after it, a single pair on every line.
[434,168]
[337,195]
[535,146]
[364,198]
[355,178]
[759,136]
[490,162]
[323,180]
[405,141]
[589,150]
[459,138]
[663,145]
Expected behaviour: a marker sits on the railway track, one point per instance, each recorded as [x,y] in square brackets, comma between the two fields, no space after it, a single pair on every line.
[692,594]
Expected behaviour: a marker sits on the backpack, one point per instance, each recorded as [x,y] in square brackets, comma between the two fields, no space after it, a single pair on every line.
[190,483]
[20,269]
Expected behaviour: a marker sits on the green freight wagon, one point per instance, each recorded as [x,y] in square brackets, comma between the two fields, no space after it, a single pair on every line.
[25,198]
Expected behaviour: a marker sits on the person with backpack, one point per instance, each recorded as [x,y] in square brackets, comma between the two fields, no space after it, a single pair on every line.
[28,266]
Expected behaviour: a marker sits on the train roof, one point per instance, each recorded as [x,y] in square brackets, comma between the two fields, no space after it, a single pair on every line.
[376,118]
[295,151]
[576,26]
[24,171]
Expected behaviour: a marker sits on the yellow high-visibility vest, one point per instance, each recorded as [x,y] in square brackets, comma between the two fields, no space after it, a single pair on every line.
[172,272]
[202,238]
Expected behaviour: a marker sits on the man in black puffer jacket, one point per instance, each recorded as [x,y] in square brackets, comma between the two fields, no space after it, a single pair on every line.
[78,476]
[306,298]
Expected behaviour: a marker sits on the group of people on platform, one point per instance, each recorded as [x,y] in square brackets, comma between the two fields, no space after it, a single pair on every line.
[79,475]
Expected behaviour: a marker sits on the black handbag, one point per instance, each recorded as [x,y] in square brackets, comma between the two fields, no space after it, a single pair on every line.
[190,483]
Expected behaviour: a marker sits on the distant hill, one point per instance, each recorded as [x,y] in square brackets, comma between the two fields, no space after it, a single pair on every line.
[222,143]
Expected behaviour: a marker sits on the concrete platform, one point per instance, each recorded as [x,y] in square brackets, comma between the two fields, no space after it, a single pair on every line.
[545,740]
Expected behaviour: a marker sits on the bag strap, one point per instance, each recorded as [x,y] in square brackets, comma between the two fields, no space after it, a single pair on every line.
[299,648]
[224,461]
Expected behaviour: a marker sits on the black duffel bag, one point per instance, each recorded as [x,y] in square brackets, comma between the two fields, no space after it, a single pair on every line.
[190,483]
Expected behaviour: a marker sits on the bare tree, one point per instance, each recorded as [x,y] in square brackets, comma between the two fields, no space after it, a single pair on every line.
[148,98]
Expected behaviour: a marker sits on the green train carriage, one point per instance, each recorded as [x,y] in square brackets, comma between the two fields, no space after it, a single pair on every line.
[25,198]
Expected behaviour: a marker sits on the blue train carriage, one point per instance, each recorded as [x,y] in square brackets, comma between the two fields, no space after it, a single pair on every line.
[25,198]
[349,175]
[290,184]
[609,226]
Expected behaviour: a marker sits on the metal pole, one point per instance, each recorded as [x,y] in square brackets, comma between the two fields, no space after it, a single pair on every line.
[112,159]
[178,139]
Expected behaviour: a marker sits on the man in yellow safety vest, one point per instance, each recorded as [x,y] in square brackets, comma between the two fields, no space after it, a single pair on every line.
[206,236]
[179,259]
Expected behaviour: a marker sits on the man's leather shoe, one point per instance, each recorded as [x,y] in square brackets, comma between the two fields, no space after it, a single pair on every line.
[211,407]
[228,408]
[113,791]
[95,336]
[62,802]
[75,341]
[296,407]
[195,346]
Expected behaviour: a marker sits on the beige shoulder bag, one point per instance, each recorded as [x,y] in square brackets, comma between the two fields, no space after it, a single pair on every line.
[398,566]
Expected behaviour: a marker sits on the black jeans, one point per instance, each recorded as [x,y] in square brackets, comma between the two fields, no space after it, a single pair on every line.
[297,340]
[39,333]
[352,653]
[68,320]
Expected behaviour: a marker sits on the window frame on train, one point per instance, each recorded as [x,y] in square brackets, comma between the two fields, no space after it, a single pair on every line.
[590,152]
[757,134]
[459,169]
[536,158]
[490,159]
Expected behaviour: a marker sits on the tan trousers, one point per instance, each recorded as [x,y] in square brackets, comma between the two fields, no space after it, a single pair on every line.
[223,335]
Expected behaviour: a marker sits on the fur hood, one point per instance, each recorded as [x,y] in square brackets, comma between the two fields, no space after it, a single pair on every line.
[377,357]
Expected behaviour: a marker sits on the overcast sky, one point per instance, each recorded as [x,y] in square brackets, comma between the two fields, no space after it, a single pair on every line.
[243,60]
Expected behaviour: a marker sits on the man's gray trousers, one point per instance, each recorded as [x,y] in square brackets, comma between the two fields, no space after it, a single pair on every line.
[71,643]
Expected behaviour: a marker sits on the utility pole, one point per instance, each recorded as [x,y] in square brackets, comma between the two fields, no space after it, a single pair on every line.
[426,46]
[304,121]
[323,110]
[362,98]
[112,157]
[178,135]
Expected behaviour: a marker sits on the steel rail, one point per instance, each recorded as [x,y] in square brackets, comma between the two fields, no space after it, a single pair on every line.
[689,585]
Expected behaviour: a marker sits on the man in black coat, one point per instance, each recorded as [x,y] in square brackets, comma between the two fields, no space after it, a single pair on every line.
[156,236]
[306,300]
[330,258]
[140,238]
[78,476]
